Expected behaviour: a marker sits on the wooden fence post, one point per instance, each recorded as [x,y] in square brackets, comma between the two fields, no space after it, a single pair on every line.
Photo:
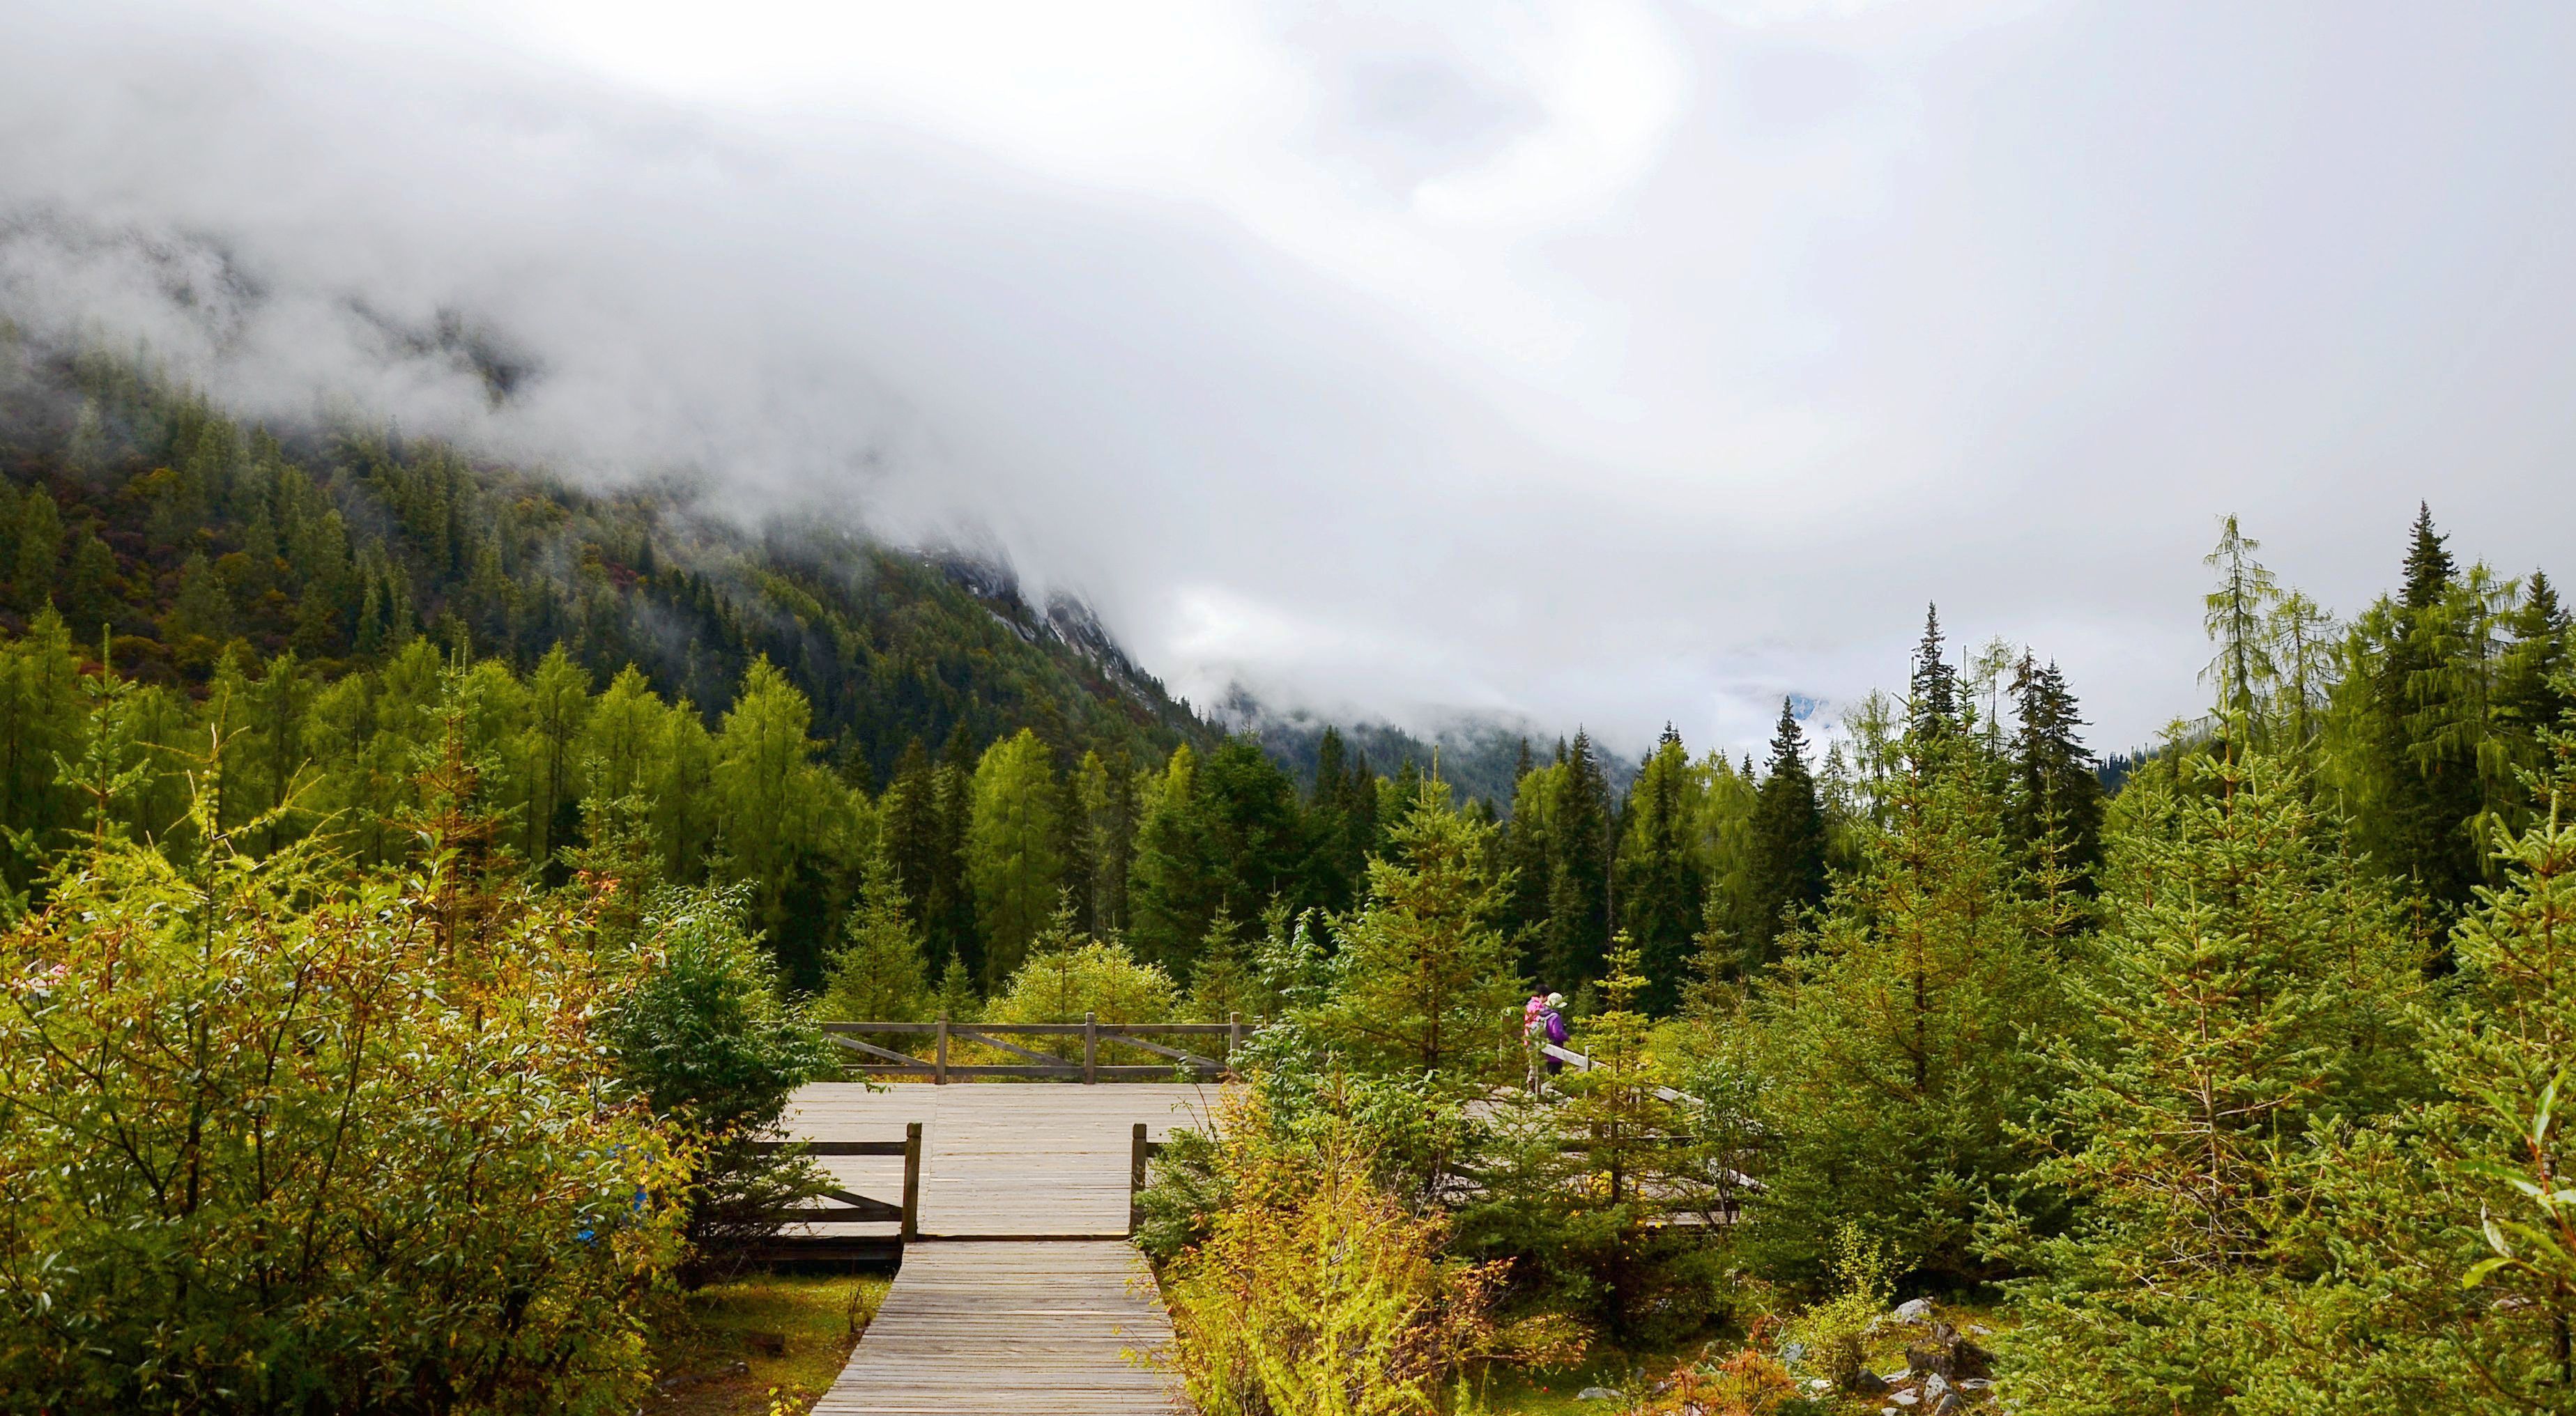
[1135,1176]
[1090,1048]
[911,1181]
[939,1070]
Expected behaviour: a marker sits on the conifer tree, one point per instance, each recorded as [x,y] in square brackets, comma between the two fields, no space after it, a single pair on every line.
[1525,852]
[559,704]
[1659,876]
[950,916]
[1578,892]
[2305,646]
[1013,850]
[1251,812]
[1893,1031]
[1423,983]
[1105,789]
[910,829]
[957,1000]
[2053,812]
[1336,830]
[1933,697]
[2426,796]
[2250,982]
[1174,891]
[879,974]
[2530,696]
[1787,865]
[1632,1165]
[2237,615]
[1225,983]
[89,585]
[40,549]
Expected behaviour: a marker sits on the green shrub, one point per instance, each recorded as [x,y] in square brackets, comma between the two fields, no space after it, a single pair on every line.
[272,1139]
[704,1037]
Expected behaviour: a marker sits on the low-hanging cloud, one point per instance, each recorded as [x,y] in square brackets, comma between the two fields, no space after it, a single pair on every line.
[1595,360]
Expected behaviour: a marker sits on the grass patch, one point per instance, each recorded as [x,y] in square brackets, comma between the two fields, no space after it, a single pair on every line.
[763,1343]
[1552,1391]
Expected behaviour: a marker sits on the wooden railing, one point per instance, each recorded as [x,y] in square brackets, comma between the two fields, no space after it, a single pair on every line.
[1582,1063]
[882,1061]
[847,1208]
[1140,1150]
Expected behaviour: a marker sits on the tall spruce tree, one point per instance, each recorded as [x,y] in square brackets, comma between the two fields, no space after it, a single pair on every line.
[2450,1223]
[2251,984]
[1578,892]
[2422,825]
[2053,812]
[1932,699]
[1659,872]
[1788,840]
[1893,1034]
[2531,688]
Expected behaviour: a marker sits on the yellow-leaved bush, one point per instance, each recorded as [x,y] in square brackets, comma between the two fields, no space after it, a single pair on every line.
[1316,1293]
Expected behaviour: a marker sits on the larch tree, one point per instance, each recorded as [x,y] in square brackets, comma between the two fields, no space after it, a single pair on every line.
[2237,614]
[1013,850]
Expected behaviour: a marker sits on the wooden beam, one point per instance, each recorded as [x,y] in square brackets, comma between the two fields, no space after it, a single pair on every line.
[976,1035]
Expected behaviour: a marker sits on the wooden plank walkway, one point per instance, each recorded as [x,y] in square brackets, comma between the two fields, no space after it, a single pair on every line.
[1002,1159]
[1023,1296]
[1046,1328]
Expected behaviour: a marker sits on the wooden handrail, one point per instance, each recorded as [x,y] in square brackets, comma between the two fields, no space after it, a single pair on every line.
[860,1208]
[886,1061]
[1045,1029]
[1585,1064]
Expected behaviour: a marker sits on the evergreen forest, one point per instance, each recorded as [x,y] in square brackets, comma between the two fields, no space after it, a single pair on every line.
[411,860]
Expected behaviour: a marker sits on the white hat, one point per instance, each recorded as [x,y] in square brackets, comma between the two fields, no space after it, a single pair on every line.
[1556,1000]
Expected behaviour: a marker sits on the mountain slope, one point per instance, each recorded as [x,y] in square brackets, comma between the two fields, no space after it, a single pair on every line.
[178,532]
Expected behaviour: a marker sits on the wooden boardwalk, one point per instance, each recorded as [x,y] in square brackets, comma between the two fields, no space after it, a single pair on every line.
[1011,1329]
[1022,1295]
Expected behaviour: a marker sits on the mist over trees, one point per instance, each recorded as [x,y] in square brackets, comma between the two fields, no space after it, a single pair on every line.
[2231,1069]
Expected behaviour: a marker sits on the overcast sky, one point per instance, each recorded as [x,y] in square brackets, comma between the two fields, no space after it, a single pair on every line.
[1604,361]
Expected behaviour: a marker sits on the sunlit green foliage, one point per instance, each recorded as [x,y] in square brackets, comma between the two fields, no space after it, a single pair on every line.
[274,1137]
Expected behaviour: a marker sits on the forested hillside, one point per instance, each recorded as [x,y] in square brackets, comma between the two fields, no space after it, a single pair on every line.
[1478,756]
[144,510]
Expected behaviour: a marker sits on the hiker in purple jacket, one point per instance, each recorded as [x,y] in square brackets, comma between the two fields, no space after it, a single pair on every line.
[1541,1024]
[1554,1021]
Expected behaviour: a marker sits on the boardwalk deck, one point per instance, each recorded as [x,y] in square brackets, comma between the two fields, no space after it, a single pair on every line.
[1002,1159]
[1022,1296]
[1011,1329]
